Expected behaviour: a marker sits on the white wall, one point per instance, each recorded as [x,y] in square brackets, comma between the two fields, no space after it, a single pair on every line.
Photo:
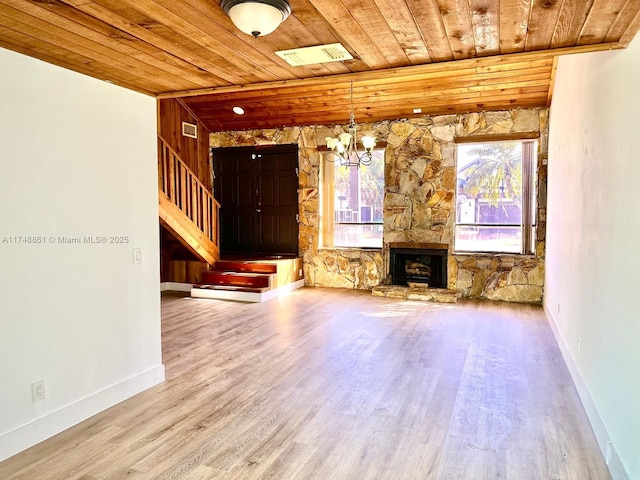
[78,158]
[592,284]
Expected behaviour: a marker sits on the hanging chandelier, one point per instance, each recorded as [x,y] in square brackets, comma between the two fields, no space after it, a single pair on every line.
[344,148]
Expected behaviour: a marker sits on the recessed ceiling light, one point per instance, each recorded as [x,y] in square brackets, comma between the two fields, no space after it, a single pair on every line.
[417,110]
[238,110]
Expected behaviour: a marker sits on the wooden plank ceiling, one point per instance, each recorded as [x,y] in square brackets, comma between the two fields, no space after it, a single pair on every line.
[443,56]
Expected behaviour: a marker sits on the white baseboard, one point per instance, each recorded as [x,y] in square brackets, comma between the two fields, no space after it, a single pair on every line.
[175,287]
[51,424]
[609,452]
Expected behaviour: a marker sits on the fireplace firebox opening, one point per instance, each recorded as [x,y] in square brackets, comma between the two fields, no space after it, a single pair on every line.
[418,265]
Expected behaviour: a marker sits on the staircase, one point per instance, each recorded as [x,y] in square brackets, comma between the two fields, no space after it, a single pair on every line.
[250,280]
[186,207]
[190,214]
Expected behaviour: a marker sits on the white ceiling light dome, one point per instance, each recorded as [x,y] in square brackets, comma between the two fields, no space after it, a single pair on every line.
[256,17]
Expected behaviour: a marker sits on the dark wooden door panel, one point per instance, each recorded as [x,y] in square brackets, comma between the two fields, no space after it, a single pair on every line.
[257,190]
[234,187]
[278,201]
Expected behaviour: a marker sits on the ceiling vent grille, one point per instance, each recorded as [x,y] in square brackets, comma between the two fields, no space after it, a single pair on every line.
[190,130]
[297,57]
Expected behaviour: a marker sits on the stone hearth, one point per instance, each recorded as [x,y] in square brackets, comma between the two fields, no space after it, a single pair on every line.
[416,292]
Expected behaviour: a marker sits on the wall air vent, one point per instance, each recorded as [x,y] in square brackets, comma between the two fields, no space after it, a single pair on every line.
[190,130]
[334,52]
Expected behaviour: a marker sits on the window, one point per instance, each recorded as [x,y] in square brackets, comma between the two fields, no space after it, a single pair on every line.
[495,202]
[352,204]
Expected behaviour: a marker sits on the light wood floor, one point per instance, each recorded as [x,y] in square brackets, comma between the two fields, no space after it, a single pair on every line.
[335,384]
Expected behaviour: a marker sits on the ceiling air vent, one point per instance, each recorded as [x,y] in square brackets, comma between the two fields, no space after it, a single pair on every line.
[190,130]
[297,57]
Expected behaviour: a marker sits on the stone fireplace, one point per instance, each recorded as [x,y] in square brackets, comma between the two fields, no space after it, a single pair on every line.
[418,264]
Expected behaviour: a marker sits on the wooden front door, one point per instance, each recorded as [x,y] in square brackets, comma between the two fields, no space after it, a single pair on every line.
[257,188]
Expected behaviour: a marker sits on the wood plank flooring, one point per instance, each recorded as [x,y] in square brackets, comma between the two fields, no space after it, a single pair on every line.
[336,384]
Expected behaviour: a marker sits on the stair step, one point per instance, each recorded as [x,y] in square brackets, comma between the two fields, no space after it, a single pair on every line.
[245,266]
[237,279]
[232,288]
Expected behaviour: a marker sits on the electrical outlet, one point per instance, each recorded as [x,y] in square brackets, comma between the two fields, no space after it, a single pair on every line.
[579,346]
[38,391]
[137,255]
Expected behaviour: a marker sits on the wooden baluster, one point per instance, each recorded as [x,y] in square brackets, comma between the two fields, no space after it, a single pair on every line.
[185,191]
[203,207]
[216,216]
[172,178]
[208,215]
[205,213]
[167,171]
[213,220]
[199,216]
[176,182]
[160,165]
[194,203]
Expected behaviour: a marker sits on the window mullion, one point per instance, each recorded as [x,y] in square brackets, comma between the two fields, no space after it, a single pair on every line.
[527,196]
[328,203]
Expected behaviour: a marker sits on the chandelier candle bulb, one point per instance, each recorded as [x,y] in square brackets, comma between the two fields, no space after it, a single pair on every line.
[345,139]
[368,143]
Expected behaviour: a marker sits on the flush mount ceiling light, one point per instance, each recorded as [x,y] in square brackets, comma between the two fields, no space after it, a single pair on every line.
[256,17]
[238,110]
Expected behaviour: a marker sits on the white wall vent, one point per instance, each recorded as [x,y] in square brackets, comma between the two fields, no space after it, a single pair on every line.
[333,52]
[190,130]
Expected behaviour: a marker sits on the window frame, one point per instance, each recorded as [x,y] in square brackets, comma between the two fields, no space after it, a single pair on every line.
[529,199]
[327,204]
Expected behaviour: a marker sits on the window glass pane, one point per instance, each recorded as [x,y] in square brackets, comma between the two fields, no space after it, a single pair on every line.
[488,239]
[358,195]
[368,236]
[491,195]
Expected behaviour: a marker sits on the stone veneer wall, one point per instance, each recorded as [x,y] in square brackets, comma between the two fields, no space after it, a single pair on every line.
[419,205]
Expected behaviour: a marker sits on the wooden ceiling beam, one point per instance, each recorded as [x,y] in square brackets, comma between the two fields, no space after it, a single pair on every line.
[325,109]
[462,106]
[398,74]
[270,107]
[379,112]
[342,95]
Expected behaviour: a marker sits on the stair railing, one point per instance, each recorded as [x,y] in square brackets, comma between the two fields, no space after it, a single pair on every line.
[183,188]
